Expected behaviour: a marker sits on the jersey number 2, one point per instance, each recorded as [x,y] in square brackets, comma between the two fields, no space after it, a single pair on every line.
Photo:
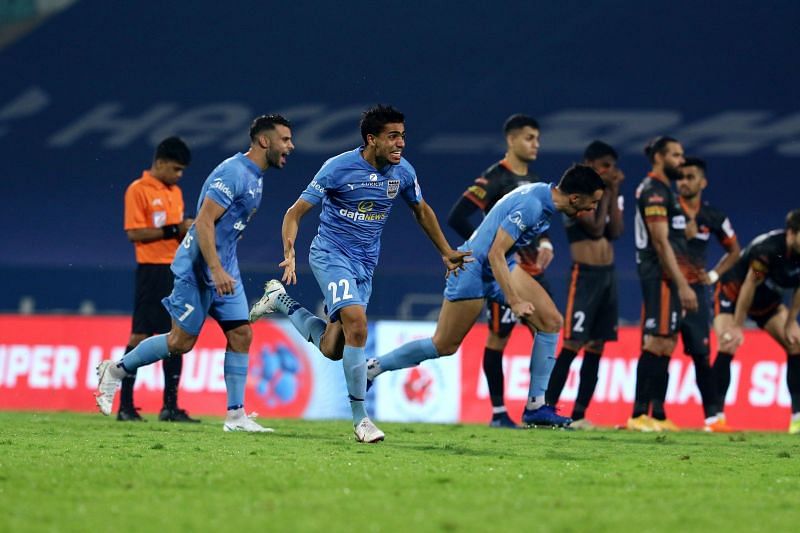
[345,285]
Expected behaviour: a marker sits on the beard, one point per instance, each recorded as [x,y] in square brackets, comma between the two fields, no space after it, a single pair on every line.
[672,173]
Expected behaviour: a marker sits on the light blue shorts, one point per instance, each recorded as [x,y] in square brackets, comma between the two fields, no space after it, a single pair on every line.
[189,305]
[475,282]
[343,282]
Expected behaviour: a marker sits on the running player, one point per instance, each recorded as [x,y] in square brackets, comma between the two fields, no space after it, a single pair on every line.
[592,310]
[512,223]
[703,221]
[206,269]
[753,288]
[660,226]
[522,142]
[357,190]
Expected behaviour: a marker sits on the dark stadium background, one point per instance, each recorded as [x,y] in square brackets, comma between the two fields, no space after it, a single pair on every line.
[721,76]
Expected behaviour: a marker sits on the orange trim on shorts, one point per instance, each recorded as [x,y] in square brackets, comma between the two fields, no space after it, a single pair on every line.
[495,317]
[571,301]
[663,325]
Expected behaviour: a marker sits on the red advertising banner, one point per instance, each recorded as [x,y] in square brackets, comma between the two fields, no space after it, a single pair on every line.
[48,363]
[757,398]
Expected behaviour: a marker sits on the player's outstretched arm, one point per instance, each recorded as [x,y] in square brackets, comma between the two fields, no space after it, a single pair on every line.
[289,229]
[209,213]
[426,218]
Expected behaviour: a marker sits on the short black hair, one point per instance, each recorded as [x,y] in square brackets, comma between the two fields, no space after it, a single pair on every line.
[174,149]
[690,161]
[581,179]
[376,117]
[519,121]
[266,123]
[657,146]
[793,220]
[598,149]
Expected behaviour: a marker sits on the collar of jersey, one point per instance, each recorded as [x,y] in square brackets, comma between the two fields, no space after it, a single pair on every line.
[152,180]
[655,176]
[250,165]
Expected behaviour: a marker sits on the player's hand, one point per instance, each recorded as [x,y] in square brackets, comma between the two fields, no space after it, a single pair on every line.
[733,337]
[613,178]
[223,281]
[185,225]
[792,332]
[523,309]
[454,261]
[288,264]
[544,257]
[688,298]
[702,275]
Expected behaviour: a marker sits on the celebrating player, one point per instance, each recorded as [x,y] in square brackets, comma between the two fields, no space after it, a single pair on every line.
[753,288]
[703,220]
[522,142]
[357,190]
[512,223]
[206,269]
[592,311]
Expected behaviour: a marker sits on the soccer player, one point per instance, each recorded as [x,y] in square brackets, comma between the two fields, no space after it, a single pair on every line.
[660,237]
[522,142]
[592,308]
[703,221]
[512,223]
[206,269]
[753,288]
[357,190]
[154,222]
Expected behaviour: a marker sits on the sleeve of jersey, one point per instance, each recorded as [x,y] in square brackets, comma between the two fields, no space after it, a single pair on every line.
[724,232]
[316,189]
[135,209]
[478,192]
[759,262]
[654,206]
[410,190]
[520,218]
[223,189]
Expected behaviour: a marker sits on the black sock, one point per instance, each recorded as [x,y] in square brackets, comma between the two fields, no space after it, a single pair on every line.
[588,382]
[558,377]
[722,376]
[658,393]
[126,389]
[644,377]
[493,368]
[173,365]
[705,384]
[793,381]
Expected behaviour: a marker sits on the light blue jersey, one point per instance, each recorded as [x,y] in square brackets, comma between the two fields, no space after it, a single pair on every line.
[523,213]
[356,201]
[236,184]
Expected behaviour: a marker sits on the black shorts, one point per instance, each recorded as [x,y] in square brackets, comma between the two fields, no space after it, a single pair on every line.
[696,327]
[592,304]
[501,319]
[765,302]
[153,282]
[661,307]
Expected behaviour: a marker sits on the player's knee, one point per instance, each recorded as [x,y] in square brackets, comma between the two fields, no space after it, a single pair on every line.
[330,352]
[445,347]
[497,341]
[239,339]
[180,344]
[355,332]
[551,322]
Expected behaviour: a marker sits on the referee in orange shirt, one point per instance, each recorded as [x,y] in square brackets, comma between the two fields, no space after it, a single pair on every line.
[154,222]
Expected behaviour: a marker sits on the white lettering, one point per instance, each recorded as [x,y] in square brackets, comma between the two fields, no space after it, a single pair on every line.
[203,126]
[104,119]
[762,381]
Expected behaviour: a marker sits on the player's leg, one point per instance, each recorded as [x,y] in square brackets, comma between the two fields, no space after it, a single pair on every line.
[501,323]
[587,383]
[695,331]
[775,327]
[127,411]
[724,308]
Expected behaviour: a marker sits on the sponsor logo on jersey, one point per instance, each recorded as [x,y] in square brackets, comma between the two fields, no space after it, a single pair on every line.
[159,218]
[679,222]
[516,219]
[655,199]
[157,201]
[392,188]
[655,211]
[362,216]
[239,226]
[373,177]
[221,187]
[478,192]
[365,207]
[317,187]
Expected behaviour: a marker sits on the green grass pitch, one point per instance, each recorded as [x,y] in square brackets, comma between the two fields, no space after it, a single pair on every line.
[81,472]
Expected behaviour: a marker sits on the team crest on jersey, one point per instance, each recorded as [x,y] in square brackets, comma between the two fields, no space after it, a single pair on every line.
[392,188]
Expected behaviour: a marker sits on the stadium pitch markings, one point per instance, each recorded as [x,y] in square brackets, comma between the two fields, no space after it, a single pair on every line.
[75,472]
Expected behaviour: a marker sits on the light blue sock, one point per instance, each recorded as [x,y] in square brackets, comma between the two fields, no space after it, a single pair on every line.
[354,363]
[235,378]
[408,355]
[149,351]
[310,326]
[543,358]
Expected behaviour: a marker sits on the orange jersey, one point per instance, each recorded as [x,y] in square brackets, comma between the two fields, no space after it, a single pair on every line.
[149,203]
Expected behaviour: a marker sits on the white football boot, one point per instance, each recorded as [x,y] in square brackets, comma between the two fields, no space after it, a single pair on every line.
[366,431]
[107,385]
[267,304]
[237,420]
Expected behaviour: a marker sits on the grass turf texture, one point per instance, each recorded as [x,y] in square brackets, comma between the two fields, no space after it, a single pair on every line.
[76,472]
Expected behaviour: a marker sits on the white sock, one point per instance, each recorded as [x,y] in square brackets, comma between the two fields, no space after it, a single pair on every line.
[498,410]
